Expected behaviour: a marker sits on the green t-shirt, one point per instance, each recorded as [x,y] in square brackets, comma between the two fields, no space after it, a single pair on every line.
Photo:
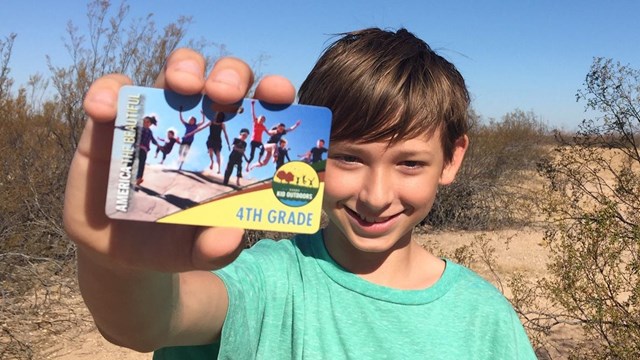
[290,300]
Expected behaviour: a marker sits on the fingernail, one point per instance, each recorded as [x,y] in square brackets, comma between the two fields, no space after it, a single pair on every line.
[227,77]
[190,67]
[104,97]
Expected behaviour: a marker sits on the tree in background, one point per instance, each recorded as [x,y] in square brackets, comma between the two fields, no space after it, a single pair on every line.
[592,203]
[114,45]
[37,140]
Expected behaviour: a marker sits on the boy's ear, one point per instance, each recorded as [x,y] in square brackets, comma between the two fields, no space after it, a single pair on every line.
[451,169]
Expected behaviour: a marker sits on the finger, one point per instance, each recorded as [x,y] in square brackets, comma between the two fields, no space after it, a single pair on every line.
[216,247]
[229,81]
[183,72]
[88,174]
[101,101]
[275,89]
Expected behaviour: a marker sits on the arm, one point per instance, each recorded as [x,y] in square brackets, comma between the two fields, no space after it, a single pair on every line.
[153,140]
[253,110]
[181,118]
[203,117]
[305,155]
[197,130]
[147,285]
[226,137]
[294,126]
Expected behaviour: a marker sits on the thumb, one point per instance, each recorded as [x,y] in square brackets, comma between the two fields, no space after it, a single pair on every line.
[215,248]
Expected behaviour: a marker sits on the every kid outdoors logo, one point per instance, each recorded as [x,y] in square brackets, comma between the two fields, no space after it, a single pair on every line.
[185,160]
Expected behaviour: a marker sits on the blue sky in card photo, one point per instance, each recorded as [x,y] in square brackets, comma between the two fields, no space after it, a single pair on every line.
[530,55]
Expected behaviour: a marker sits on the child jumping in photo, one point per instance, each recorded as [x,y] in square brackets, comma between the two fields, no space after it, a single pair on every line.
[187,140]
[214,141]
[256,135]
[168,145]
[362,287]
[235,158]
[276,133]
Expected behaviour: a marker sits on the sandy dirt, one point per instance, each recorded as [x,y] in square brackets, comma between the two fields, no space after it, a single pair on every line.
[92,346]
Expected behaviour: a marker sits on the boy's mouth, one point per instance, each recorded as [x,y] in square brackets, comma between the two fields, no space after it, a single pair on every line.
[369,220]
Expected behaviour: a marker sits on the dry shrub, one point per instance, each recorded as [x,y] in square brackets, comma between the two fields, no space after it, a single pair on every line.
[489,192]
[37,267]
[592,204]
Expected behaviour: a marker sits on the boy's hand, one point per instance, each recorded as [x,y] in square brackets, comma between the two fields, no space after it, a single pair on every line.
[128,244]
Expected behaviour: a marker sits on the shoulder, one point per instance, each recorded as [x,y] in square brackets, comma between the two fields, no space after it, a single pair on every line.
[268,253]
[472,300]
[476,293]
[265,262]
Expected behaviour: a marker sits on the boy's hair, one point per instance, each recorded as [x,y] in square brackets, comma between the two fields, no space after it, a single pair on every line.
[244,130]
[171,132]
[388,86]
[220,117]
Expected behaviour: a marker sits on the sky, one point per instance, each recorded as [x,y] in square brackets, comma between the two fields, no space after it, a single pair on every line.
[525,54]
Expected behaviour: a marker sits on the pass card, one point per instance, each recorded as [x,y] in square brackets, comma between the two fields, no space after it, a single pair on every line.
[186,160]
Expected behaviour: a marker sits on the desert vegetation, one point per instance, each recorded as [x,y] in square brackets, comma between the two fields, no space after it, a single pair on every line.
[581,190]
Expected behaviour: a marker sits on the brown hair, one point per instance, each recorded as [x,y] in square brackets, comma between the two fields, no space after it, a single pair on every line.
[388,86]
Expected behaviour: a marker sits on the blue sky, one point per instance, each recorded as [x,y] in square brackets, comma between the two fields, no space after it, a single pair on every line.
[531,55]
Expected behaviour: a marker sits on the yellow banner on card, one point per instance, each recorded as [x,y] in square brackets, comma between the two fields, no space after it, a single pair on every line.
[291,202]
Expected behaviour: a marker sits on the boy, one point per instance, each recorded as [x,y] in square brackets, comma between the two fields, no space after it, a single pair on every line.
[315,154]
[281,153]
[236,155]
[146,138]
[361,288]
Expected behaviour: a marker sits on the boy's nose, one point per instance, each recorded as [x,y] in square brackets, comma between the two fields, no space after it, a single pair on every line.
[377,191]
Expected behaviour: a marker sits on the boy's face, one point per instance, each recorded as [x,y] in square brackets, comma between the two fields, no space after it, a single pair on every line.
[243,135]
[320,144]
[192,120]
[146,122]
[376,194]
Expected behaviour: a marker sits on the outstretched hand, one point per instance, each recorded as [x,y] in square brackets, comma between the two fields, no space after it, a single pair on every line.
[152,246]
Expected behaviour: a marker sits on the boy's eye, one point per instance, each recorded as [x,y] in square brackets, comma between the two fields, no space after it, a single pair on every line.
[346,159]
[411,164]
[349,159]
